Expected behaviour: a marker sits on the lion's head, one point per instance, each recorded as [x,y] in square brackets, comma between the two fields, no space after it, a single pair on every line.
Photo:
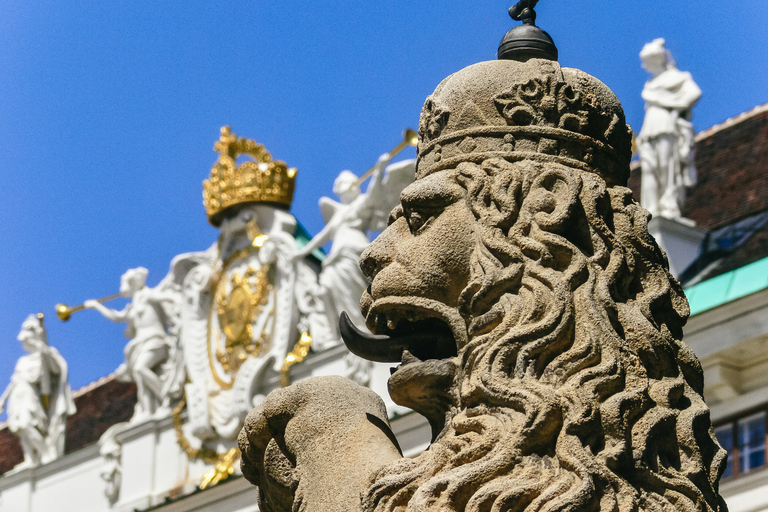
[538,325]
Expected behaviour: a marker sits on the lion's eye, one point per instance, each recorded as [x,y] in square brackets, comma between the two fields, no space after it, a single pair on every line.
[417,220]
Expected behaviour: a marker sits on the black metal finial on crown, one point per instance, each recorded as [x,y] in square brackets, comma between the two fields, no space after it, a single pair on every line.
[523,11]
[526,41]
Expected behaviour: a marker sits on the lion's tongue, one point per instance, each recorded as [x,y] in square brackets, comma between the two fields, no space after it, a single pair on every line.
[374,347]
[428,339]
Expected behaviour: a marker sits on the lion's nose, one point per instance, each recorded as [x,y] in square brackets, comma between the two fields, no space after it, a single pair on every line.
[376,256]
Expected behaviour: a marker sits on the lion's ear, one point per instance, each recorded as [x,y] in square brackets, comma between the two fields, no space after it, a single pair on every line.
[552,198]
[506,190]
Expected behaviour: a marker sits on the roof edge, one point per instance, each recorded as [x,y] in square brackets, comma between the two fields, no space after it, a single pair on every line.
[93,385]
[731,122]
[727,287]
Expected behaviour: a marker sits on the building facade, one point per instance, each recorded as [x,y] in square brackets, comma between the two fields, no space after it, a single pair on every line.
[149,467]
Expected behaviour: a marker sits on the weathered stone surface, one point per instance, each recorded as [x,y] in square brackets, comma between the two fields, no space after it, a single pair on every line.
[539,326]
[316,442]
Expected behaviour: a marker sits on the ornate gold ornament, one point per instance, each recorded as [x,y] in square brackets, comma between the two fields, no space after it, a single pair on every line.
[297,355]
[205,454]
[223,463]
[223,469]
[241,317]
[259,180]
[240,298]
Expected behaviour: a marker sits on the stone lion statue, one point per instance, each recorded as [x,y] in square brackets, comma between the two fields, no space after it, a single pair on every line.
[534,318]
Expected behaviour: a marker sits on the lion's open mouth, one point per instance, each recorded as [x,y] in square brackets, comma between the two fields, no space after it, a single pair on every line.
[426,338]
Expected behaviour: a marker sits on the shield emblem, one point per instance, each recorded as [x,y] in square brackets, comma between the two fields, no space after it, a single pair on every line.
[241,316]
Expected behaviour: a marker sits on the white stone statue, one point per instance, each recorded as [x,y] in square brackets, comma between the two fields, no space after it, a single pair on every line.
[39,398]
[347,224]
[341,282]
[666,138]
[152,355]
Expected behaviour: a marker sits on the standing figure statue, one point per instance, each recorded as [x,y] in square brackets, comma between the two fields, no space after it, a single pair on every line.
[666,138]
[39,398]
[151,354]
[347,224]
[341,282]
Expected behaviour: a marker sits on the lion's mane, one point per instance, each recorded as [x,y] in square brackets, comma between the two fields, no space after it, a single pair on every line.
[575,390]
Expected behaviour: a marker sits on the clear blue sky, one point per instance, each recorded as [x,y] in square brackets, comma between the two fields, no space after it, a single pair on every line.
[109,110]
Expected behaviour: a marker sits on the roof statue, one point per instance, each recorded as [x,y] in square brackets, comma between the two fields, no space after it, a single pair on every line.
[665,142]
[38,400]
[245,302]
[532,318]
[341,282]
[153,357]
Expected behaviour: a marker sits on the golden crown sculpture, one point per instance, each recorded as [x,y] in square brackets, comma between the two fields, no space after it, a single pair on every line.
[260,180]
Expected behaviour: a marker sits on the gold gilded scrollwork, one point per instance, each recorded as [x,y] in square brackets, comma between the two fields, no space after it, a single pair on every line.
[223,469]
[297,355]
[239,301]
[223,463]
[236,312]
[205,454]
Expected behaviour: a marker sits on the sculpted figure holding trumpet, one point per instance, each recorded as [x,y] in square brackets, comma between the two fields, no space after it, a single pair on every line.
[152,318]
[347,224]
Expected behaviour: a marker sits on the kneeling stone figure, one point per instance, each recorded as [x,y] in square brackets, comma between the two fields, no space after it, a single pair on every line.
[534,318]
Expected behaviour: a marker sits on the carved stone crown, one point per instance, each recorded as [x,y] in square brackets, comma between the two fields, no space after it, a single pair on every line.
[261,180]
[525,110]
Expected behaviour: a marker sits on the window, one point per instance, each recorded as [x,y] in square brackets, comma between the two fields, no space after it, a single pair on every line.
[725,438]
[744,439]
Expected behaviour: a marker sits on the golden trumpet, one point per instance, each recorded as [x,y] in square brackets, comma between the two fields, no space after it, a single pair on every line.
[64,312]
[410,138]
